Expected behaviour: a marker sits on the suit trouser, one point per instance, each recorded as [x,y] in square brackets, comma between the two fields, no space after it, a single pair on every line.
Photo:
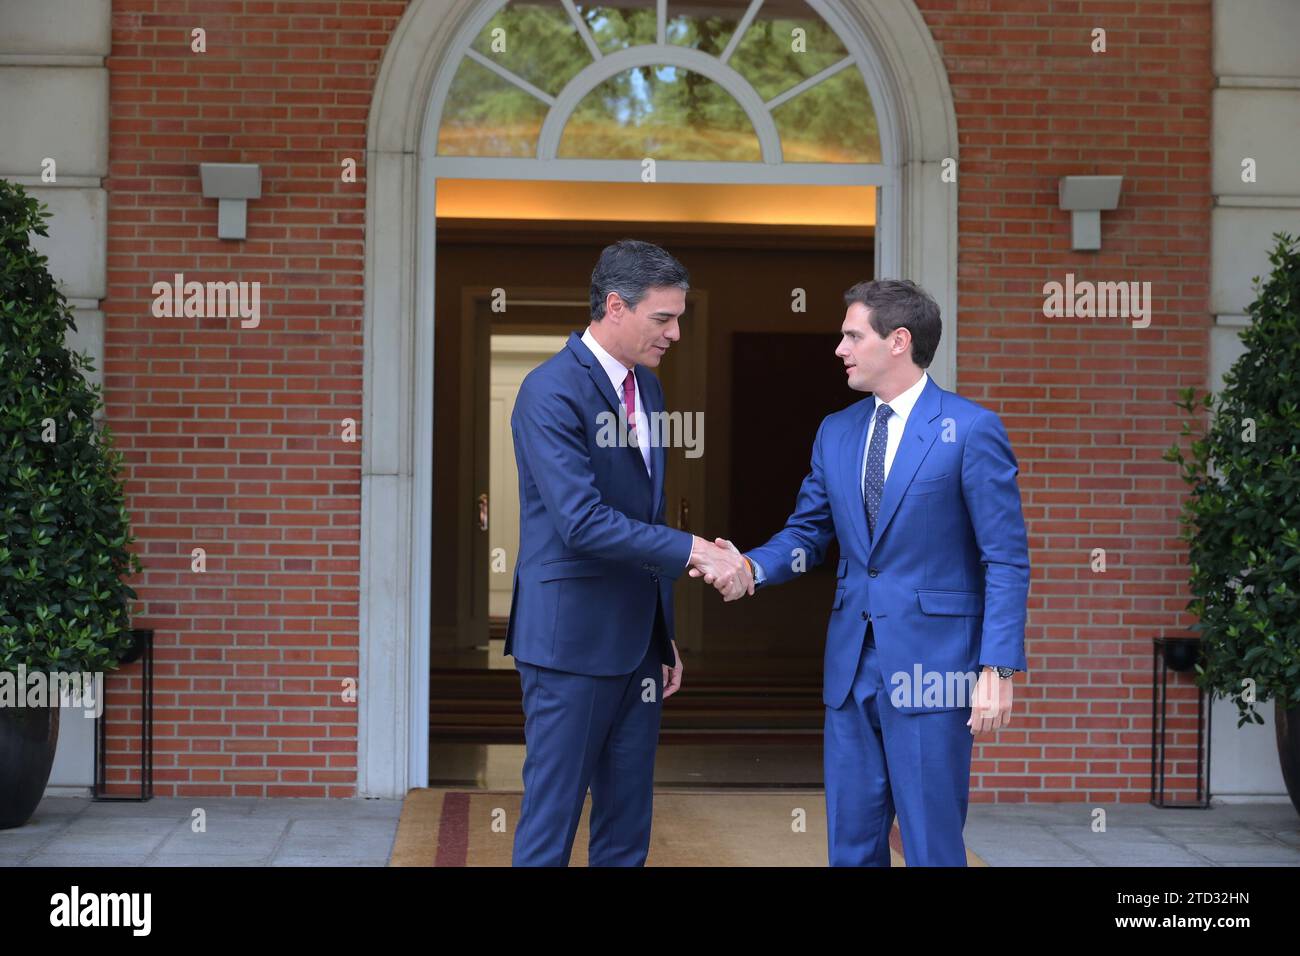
[581,732]
[879,759]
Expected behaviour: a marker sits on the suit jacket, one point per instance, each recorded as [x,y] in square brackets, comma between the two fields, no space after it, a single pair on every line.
[597,561]
[945,580]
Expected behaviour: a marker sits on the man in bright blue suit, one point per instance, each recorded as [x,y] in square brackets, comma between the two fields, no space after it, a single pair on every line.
[918,486]
[591,620]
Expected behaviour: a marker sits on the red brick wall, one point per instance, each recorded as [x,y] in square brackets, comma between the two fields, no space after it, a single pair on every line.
[232,436]
[1087,402]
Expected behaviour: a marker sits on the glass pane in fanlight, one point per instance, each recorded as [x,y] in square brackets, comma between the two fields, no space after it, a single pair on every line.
[537,41]
[486,115]
[704,25]
[831,122]
[621,24]
[787,43]
[662,112]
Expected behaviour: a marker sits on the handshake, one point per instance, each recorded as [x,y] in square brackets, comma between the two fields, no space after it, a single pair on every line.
[721,565]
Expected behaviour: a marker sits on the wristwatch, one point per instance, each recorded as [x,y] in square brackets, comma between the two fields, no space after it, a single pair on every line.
[1003,672]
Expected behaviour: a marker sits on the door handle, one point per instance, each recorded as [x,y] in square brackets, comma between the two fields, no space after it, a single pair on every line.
[483,511]
[684,515]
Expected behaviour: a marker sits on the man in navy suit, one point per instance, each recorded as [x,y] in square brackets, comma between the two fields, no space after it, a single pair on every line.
[591,620]
[918,486]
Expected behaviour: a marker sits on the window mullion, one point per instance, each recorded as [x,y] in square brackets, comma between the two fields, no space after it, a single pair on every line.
[809,83]
[741,27]
[581,24]
[509,77]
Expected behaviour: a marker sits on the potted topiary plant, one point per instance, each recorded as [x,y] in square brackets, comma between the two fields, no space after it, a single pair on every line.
[1242,517]
[64,529]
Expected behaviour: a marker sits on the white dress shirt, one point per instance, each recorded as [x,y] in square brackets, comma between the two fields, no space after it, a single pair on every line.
[901,406]
[617,372]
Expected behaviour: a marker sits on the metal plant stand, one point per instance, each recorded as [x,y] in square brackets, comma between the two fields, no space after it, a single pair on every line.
[1177,654]
[144,653]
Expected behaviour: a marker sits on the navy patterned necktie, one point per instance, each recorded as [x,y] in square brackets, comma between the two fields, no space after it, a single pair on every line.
[874,482]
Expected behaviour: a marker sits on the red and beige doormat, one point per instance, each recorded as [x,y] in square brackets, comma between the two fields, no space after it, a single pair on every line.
[691,828]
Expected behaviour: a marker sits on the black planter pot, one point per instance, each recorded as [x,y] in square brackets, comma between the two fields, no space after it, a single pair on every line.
[1288,748]
[28,737]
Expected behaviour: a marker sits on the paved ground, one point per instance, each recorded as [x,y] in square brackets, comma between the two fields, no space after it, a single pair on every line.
[1135,835]
[75,831]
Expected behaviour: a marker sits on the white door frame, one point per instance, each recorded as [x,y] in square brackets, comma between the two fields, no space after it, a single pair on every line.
[918,222]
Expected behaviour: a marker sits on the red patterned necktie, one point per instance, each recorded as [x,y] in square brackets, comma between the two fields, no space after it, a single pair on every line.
[629,400]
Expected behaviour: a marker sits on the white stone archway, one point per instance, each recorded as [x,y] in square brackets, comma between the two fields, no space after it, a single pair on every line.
[918,228]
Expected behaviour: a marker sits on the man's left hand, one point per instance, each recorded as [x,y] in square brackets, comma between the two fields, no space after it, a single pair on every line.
[991,708]
[673,675]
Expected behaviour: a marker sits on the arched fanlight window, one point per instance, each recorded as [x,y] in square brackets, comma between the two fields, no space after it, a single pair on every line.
[660,111]
[706,80]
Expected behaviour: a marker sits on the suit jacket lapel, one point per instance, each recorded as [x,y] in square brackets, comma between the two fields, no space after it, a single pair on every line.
[656,450]
[596,371]
[606,388]
[852,449]
[918,435]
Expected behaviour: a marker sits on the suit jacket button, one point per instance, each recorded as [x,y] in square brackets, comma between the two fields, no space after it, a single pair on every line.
[866,616]
[873,572]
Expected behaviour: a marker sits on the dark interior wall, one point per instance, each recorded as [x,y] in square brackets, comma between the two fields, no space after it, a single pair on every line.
[781,361]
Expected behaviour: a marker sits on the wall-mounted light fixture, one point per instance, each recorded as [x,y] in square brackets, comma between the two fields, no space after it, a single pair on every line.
[1085,197]
[232,185]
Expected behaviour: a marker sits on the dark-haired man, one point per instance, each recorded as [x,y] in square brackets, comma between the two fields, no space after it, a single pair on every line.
[591,620]
[918,486]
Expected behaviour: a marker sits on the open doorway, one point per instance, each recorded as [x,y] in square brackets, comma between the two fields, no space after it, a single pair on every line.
[756,358]
[469,122]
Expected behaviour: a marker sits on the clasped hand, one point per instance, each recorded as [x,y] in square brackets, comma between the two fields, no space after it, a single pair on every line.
[721,565]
